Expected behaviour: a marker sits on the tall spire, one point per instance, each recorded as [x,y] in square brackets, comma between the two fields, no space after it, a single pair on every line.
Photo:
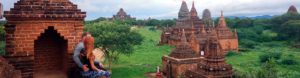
[193,10]
[184,11]
[206,17]
[222,22]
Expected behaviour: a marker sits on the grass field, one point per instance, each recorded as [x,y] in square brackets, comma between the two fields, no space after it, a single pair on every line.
[148,55]
[145,58]
[249,61]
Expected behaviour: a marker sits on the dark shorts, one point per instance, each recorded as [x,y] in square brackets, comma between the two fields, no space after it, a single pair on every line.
[95,74]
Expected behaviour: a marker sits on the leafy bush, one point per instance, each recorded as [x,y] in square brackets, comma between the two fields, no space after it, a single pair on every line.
[272,44]
[268,35]
[152,29]
[288,61]
[248,43]
[231,53]
[267,56]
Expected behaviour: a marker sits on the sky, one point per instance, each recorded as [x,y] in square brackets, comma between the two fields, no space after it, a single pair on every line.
[168,9]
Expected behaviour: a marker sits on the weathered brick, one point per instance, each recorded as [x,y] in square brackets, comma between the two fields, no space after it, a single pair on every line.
[41,42]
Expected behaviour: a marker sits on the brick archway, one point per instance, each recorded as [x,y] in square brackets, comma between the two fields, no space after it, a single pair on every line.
[49,50]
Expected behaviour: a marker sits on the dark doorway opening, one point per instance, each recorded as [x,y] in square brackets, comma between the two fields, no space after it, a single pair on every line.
[49,51]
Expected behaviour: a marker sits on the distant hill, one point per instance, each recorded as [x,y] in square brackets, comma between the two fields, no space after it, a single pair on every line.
[253,17]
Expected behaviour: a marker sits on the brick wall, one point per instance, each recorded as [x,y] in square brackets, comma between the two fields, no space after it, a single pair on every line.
[22,37]
[41,35]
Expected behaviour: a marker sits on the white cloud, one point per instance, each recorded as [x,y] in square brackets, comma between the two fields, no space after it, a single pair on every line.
[168,8]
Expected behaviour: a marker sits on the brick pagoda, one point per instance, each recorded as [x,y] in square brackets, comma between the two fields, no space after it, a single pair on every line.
[122,15]
[181,59]
[41,35]
[190,21]
[213,64]
[205,46]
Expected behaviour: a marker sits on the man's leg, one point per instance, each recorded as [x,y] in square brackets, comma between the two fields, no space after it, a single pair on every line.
[104,73]
[91,74]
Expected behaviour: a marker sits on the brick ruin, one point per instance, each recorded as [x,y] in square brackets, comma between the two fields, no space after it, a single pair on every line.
[213,64]
[181,59]
[41,35]
[189,21]
[205,46]
[122,15]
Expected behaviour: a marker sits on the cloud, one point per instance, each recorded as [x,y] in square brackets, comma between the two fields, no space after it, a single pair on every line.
[166,9]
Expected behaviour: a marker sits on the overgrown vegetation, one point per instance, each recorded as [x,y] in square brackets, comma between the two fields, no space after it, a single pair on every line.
[114,39]
[267,47]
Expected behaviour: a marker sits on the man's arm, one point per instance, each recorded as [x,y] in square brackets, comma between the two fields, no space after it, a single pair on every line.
[76,56]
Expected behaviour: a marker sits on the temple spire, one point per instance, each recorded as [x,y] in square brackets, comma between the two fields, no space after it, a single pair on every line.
[222,22]
[193,10]
[184,11]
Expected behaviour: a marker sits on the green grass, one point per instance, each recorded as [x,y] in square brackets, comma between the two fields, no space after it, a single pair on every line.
[248,61]
[145,58]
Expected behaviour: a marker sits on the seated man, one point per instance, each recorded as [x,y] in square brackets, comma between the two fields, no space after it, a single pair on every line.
[81,59]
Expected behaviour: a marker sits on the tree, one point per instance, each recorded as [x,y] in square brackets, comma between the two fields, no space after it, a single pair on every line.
[168,22]
[291,29]
[114,39]
[153,22]
[283,25]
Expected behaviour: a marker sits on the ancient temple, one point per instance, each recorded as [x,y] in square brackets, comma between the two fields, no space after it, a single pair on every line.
[122,15]
[228,39]
[213,64]
[190,21]
[181,59]
[205,46]
[41,35]
[292,9]
[206,16]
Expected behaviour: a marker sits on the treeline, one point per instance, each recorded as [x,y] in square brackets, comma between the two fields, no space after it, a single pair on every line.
[148,22]
[284,27]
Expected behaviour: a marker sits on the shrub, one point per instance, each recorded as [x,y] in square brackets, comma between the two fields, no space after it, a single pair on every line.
[152,29]
[231,53]
[288,61]
[248,43]
[266,56]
